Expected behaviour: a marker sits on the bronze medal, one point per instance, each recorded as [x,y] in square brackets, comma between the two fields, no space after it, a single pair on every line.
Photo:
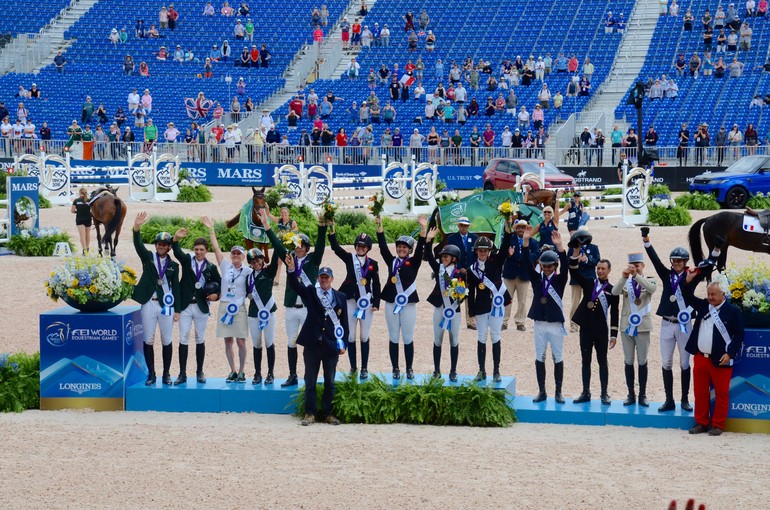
[339,312]
[543,300]
[590,305]
[637,301]
[363,281]
[672,299]
[393,280]
[482,286]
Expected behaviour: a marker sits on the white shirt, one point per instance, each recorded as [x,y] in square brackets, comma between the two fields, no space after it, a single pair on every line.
[706,333]
[460,94]
[234,282]
[133,99]
[6,128]
[506,137]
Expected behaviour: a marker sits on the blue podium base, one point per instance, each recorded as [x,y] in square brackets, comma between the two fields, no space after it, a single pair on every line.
[216,395]
[594,413]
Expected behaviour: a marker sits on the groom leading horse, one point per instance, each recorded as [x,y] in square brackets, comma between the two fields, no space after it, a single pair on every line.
[250,224]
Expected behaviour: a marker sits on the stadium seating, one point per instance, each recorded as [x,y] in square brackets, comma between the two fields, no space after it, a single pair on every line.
[718,102]
[486,29]
[28,16]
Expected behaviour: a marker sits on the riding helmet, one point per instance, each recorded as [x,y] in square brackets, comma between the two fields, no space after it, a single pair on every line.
[365,239]
[483,243]
[406,240]
[254,254]
[582,236]
[305,240]
[451,249]
[549,257]
[163,237]
[212,288]
[679,253]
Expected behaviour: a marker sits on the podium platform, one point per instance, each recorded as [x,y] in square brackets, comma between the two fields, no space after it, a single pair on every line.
[217,396]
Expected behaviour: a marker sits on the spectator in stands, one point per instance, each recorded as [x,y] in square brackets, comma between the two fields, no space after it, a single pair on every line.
[163,17]
[128,136]
[756,102]
[227,10]
[415,143]
[254,56]
[523,118]
[721,41]
[244,60]
[408,21]
[750,8]
[736,67]
[162,55]
[424,20]
[538,117]
[120,117]
[572,64]
[355,34]
[616,138]
[144,69]
[735,139]
[353,69]
[239,31]
[244,11]
[719,68]
[264,56]
[208,68]
[173,17]
[430,41]
[147,101]
[762,8]
[680,65]
[527,76]
[620,24]
[215,55]
[45,132]
[732,41]
[746,34]
[708,64]
[751,138]
[34,92]
[588,69]
[673,10]
[492,84]
[656,91]
[489,108]
[662,7]
[86,111]
[113,136]
[171,134]
[22,93]
[651,137]
[123,36]
[315,16]
[702,141]
[189,56]
[708,38]
[226,51]
[512,101]
[544,96]
[385,36]
[114,37]
[558,101]
[688,19]
[706,19]
[609,23]
[101,114]
[631,145]
[179,54]
[684,140]
[152,33]
[128,65]
[208,10]
[139,30]
[585,87]
[694,65]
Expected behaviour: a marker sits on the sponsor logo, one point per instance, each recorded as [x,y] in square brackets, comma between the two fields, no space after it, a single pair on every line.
[756,351]
[458,209]
[57,334]
[129,332]
[94,334]
[657,180]
[199,174]
[752,409]
[588,180]
[254,174]
[164,176]
[141,175]
[29,186]
[581,174]
[291,179]
[80,388]
[54,178]
[319,185]
[423,187]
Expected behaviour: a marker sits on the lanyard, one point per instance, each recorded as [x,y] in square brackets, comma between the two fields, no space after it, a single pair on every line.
[161,266]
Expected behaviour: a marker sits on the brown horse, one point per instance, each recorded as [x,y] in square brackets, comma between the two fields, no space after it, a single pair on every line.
[541,198]
[729,226]
[257,203]
[108,210]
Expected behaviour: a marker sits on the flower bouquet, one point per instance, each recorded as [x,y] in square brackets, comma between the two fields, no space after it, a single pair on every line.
[507,209]
[329,209]
[289,239]
[457,289]
[90,283]
[446,197]
[377,203]
[750,291]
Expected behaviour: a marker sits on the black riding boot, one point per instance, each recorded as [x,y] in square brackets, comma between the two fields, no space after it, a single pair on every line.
[643,386]
[668,386]
[481,354]
[436,360]
[409,355]
[496,350]
[200,356]
[393,351]
[631,399]
[364,374]
[257,365]
[352,357]
[454,353]
[558,375]
[270,364]
[183,350]
[292,380]
[167,351]
[540,373]
[686,390]
[149,359]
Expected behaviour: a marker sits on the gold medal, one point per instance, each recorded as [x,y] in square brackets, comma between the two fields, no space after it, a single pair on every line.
[363,281]
[637,301]
[482,286]
[590,305]
[393,280]
[446,293]
[543,300]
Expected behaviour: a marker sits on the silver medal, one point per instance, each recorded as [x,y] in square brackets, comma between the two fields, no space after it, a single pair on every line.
[198,285]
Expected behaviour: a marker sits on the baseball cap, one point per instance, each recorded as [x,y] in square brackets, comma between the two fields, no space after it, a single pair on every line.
[238,248]
[326,271]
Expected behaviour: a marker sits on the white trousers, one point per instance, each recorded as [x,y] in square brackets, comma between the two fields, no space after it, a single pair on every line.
[549,333]
[485,323]
[401,325]
[190,316]
[454,328]
[293,321]
[151,317]
[268,333]
[356,325]
[671,338]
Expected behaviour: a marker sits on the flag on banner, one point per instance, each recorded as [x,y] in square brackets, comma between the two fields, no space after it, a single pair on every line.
[406,80]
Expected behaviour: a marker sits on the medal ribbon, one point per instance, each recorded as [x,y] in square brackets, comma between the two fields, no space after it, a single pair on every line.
[635,319]
[364,301]
[449,311]
[298,265]
[263,309]
[685,312]
[339,331]
[497,309]
[721,328]
[199,271]
[232,307]
[167,300]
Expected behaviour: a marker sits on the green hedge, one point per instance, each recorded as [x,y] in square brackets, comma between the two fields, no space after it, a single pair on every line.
[19,382]
[200,193]
[32,246]
[658,189]
[432,403]
[697,201]
[669,217]
[759,201]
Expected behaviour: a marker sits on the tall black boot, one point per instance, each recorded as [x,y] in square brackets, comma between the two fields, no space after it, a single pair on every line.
[558,375]
[292,379]
[540,373]
[604,376]
[257,365]
[436,360]
[643,386]
[270,364]
[393,351]
[481,355]
[364,374]
[167,351]
[183,350]
[409,355]
[200,356]
[631,399]
[586,375]
[149,359]
[352,357]
[496,352]
[686,390]
[454,353]
[668,386]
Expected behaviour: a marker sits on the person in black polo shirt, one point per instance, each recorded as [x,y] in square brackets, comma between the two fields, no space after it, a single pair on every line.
[546,310]
[198,275]
[82,212]
[362,290]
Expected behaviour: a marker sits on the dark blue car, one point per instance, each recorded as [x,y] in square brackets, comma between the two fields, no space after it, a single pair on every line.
[734,185]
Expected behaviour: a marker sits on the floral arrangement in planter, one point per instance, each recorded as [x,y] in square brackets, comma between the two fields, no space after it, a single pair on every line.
[91,283]
[38,242]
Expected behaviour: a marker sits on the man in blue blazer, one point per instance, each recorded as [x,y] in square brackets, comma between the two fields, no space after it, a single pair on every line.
[715,341]
[323,335]
[464,240]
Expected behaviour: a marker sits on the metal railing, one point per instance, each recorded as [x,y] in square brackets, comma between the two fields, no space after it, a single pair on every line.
[247,152]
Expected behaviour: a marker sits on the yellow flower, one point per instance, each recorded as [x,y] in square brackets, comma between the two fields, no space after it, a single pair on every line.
[93,289]
[74,283]
[53,274]
[70,292]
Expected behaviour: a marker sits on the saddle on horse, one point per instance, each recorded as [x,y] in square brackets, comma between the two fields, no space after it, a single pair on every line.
[763,217]
[101,192]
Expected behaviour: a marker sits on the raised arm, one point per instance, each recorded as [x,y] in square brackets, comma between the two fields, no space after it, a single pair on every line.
[336,248]
[428,242]
[293,279]
[557,242]
[209,224]
[660,268]
[382,242]
[279,250]
[179,254]
[418,251]
[320,242]
[143,253]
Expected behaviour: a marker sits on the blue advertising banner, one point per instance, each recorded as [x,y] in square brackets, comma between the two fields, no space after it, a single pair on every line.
[24,203]
[750,385]
[88,359]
